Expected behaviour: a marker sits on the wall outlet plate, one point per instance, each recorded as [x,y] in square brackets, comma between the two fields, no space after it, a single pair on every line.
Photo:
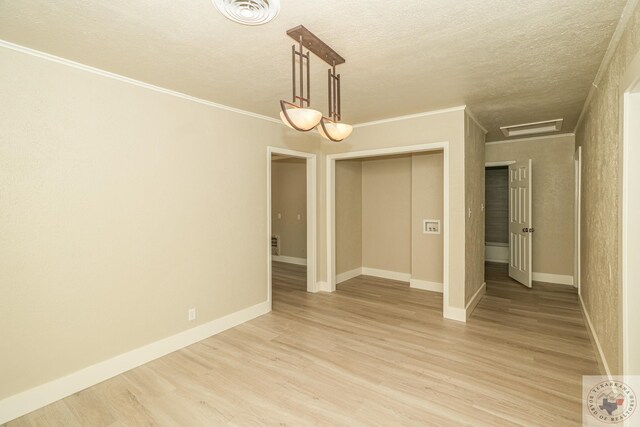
[431,226]
[191,314]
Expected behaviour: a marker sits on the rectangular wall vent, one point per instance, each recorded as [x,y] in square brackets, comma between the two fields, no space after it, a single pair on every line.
[532,128]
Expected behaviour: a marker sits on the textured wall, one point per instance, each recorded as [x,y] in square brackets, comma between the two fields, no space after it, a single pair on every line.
[599,136]
[426,203]
[386,213]
[348,215]
[289,199]
[552,198]
[474,198]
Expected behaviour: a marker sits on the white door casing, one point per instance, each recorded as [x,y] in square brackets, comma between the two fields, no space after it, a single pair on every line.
[520,225]
[577,214]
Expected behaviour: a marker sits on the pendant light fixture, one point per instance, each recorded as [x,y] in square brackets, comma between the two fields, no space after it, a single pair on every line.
[330,127]
[300,116]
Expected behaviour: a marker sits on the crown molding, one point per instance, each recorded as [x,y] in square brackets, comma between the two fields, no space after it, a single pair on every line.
[110,75]
[613,45]
[533,138]
[475,119]
[410,116]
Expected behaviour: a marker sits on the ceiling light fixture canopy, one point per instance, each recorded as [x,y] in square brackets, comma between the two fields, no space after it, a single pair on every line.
[300,117]
[248,12]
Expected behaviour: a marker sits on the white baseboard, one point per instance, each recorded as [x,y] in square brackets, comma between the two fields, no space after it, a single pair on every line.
[385,274]
[475,299]
[425,285]
[20,404]
[552,278]
[602,361]
[496,253]
[455,313]
[289,259]
[323,286]
[342,277]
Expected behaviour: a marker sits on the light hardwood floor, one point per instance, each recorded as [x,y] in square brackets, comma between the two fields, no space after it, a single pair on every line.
[373,353]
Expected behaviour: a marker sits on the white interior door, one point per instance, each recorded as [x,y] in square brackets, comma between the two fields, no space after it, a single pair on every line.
[520,227]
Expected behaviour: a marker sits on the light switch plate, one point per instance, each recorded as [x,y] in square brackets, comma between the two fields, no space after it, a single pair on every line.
[431,226]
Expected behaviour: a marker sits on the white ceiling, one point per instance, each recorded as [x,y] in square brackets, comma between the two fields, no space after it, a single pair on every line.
[510,61]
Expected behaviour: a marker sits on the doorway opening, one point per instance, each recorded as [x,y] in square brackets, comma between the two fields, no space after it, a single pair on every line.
[291,213]
[443,226]
[508,217]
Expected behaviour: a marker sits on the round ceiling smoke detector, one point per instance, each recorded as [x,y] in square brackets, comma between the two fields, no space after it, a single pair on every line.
[248,12]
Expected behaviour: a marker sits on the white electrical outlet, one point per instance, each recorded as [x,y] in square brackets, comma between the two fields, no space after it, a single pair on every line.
[191,314]
[299,217]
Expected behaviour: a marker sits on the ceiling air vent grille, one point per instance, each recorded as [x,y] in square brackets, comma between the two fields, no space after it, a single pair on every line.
[532,128]
[249,12]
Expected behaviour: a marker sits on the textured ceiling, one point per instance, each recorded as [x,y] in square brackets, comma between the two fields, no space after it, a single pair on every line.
[510,61]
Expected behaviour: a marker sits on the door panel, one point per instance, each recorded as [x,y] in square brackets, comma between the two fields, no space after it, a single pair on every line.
[520,227]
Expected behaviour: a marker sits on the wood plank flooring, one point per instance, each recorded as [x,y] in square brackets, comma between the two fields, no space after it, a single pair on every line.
[375,352]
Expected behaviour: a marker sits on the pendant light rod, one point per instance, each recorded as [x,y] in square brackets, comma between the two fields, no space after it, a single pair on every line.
[333,84]
[301,99]
[315,45]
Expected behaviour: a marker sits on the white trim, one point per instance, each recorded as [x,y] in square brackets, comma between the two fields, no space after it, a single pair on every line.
[496,252]
[347,275]
[411,116]
[20,404]
[629,230]
[602,361]
[495,164]
[558,279]
[532,138]
[456,313]
[386,274]
[323,286]
[475,299]
[312,285]
[124,79]
[577,220]
[435,146]
[475,119]
[496,260]
[448,311]
[289,259]
[627,12]
[425,285]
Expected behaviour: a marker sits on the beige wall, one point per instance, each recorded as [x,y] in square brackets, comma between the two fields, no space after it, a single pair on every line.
[391,195]
[348,215]
[386,213]
[599,137]
[122,208]
[427,203]
[474,199]
[289,199]
[552,198]
[128,204]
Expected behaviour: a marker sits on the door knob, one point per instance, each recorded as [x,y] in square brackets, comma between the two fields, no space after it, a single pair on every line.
[528,230]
